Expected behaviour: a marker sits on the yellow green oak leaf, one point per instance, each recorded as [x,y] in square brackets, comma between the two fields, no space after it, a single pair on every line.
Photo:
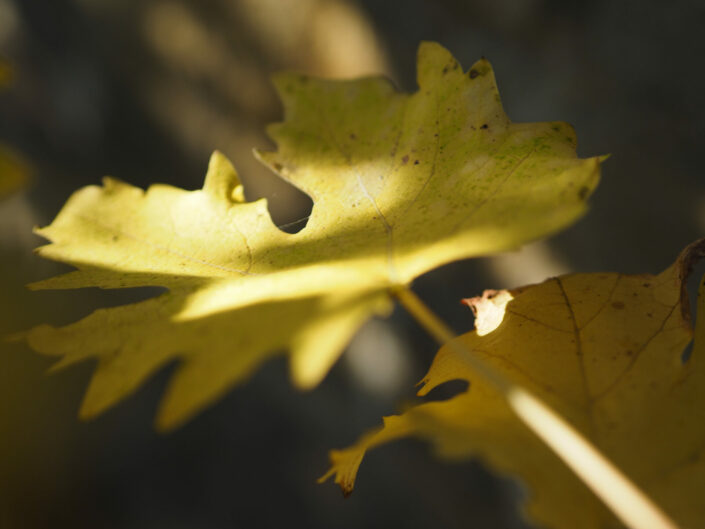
[401,184]
[606,352]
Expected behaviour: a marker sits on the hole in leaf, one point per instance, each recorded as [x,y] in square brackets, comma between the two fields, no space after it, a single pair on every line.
[448,390]
[697,275]
[693,284]
[292,216]
[294,226]
[687,353]
[289,207]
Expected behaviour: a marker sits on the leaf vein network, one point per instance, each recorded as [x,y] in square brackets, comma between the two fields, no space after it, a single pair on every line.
[165,249]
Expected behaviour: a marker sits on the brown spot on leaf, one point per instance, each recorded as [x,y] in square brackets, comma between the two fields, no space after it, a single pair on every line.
[277,166]
[618,305]
[473,73]
[583,192]
[416,162]
[404,159]
[485,126]
[353,136]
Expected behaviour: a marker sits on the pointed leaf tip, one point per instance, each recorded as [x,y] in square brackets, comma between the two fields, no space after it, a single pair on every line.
[437,64]
[433,62]
[222,180]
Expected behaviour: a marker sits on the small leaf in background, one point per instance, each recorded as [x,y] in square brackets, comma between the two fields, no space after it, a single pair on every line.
[605,351]
[13,171]
[401,185]
[6,73]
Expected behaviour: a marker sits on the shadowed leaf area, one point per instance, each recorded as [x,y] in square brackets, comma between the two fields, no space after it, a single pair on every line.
[604,350]
[401,184]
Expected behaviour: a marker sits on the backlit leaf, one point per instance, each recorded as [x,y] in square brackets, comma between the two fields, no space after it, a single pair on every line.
[401,184]
[606,351]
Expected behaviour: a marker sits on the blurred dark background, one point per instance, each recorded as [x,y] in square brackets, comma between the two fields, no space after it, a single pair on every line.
[144,91]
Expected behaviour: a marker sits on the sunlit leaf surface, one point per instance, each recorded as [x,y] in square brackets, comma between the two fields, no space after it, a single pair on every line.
[401,184]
